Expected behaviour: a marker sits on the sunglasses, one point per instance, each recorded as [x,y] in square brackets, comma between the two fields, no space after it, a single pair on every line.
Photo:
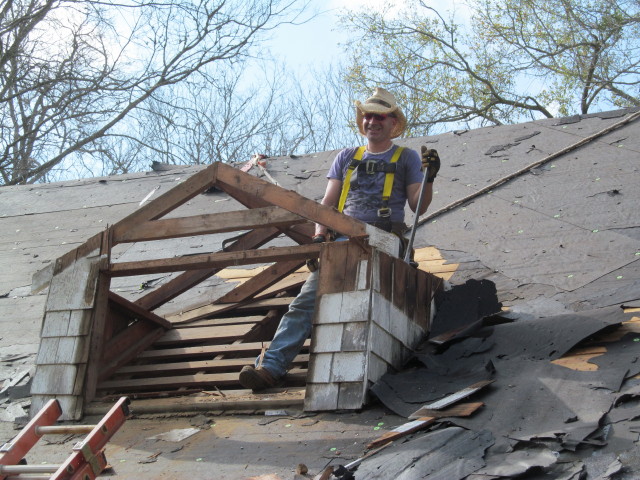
[378,116]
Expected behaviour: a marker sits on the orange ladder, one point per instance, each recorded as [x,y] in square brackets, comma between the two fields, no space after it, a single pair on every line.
[87,460]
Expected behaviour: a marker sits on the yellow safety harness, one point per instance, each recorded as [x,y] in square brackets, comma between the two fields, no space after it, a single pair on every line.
[371,166]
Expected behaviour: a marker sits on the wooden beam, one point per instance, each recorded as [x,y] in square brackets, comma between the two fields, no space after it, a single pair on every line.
[129,342]
[199,313]
[138,332]
[289,200]
[137,311]
[220,334]
[203,379]
[207,224]
[170,200]
[191,367]
[195,317]
[187,280]
[214,322]
[294,280]
[214,260]
[299,233]
[261,281]
[99,324]
[207,351]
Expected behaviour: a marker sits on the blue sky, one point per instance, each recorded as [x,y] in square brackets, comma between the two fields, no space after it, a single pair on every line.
[318,41]
[314,42]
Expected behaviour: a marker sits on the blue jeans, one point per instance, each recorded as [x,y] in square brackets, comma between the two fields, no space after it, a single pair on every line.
[293,330]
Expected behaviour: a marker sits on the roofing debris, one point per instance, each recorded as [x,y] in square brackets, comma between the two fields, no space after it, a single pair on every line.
[538,414]
[15,392]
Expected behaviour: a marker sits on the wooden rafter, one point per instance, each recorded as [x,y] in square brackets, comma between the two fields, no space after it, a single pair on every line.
[235,182]
[169,201]
[208,224]
[194,315]
[214,260]
[261,281]
[191,278]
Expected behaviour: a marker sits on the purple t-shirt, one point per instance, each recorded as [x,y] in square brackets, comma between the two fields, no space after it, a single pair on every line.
[365,193]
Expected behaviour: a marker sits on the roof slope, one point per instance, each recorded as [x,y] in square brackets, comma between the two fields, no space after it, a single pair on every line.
[558,238]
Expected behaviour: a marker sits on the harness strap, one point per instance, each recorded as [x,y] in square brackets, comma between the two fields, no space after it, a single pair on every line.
[388,180]
[373,166]
[346,183]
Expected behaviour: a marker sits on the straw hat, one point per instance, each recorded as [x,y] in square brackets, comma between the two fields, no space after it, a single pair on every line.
[381,102]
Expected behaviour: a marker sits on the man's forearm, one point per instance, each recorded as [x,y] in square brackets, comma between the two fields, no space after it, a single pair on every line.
[427,196]
[330,199]
[322,229]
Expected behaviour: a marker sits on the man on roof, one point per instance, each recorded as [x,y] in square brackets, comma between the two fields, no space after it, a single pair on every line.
[356,187]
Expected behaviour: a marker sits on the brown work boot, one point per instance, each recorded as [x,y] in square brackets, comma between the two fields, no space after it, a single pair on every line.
[257,378]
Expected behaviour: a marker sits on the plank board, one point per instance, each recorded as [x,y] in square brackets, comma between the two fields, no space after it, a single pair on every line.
[213,322]
[463,410]
[185,381]
[190,279]
[289,200]
[216,309]
[214,260]
[209,223]
[261,281]
[191,367]
[207,351]
[294,280]
[203,334]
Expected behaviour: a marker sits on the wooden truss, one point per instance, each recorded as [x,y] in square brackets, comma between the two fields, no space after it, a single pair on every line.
[96,344]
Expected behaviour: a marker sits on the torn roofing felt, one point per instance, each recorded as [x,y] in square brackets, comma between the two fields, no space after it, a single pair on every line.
[463,305]
[452,453]
[531,397]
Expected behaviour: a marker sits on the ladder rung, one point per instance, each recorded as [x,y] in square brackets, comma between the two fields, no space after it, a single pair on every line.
[87,460]
[63,429]
[30,477]
[18,469]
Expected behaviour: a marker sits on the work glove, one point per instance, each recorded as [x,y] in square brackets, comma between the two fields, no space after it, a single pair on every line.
[430,160]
